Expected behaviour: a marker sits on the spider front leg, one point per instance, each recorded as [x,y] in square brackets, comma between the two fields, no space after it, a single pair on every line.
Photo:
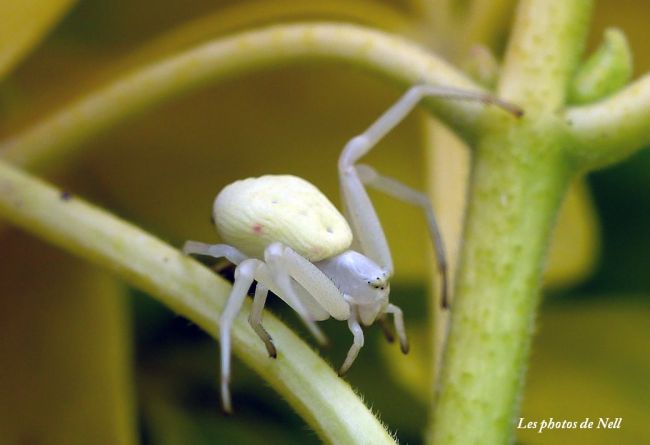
[358,207]
[357,344]
[286,264]
[384,324]
[396,189]
[398,318]
[314,281]
[274,255]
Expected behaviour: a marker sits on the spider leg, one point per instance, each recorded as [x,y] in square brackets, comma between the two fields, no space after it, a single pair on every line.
[398,318]
[214,250]
[361,214]
[244,276]
[384,324]
[245,273]
[284,264]
[255,318]
[400,191]
[357,344]
[280,276]
[312,279]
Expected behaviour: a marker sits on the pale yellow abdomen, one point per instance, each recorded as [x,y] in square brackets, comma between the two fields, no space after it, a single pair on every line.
[252,213]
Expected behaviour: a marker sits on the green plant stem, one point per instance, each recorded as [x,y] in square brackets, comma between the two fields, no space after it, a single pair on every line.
[455,33]
[520,174]
[391,57]
[240,15]
[313,389]
[509,224]
[543,53]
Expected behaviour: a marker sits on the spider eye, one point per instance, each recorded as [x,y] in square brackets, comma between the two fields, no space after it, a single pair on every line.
[378,283]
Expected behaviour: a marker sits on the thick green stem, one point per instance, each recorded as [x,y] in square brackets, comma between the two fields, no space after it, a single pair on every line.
[309,384]
[516,199]
[544,50]
[520,174]
[455,33]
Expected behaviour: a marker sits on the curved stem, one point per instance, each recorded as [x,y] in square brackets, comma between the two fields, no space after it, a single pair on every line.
[390,56]
[258,13]
[612,129]
[314,390]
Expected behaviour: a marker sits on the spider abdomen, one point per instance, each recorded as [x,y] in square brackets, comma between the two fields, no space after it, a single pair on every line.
[255,212]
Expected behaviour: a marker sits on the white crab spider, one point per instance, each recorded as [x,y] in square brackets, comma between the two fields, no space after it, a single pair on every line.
[283,233]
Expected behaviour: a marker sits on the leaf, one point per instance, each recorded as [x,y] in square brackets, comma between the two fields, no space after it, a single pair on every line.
[24,23]
[65,374]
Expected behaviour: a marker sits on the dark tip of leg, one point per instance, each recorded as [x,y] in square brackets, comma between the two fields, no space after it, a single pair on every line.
[386,329]
[405,347]
[226,405]
[390,338]
[270,347]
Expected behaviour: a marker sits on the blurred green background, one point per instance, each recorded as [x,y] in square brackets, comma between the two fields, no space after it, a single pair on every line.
[84,359]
